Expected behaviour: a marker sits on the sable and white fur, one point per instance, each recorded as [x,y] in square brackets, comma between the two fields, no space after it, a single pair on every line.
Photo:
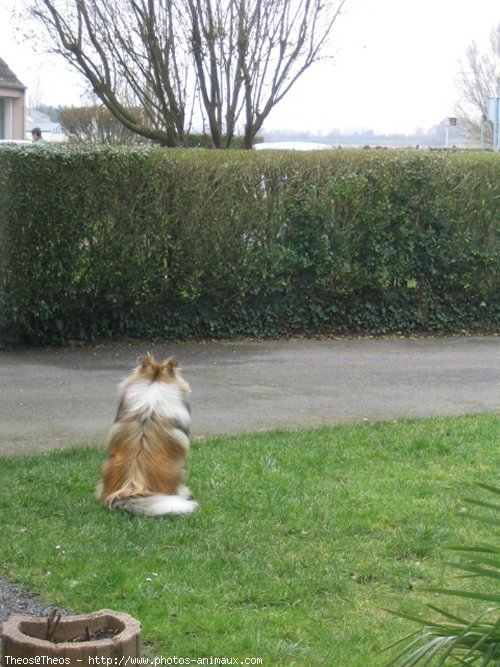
[148,443]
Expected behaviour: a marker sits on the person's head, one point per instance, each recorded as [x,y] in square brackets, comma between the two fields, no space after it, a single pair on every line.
[36,134]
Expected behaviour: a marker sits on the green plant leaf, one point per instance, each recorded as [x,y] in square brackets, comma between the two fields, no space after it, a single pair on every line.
[467,641]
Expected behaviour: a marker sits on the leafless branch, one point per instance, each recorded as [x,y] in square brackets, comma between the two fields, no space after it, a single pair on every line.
[235,58]
[476,83]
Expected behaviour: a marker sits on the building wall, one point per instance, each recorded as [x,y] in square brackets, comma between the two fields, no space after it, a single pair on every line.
[12,113]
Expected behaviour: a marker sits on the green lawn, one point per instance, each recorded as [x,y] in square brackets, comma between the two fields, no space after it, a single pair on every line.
[301,541]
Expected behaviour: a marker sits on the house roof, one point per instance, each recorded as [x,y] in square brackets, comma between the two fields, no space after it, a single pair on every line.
[8,79]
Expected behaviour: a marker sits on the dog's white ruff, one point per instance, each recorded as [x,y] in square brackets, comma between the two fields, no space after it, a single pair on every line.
[157,505]
[150,398]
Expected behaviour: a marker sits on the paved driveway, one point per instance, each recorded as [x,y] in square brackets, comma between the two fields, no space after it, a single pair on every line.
[63,397]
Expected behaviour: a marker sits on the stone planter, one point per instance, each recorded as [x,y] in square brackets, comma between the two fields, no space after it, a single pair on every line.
[72,640]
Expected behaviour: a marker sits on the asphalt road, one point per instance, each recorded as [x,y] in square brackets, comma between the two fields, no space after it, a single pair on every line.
[64,397]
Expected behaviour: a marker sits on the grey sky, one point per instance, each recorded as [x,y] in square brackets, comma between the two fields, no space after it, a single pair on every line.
[394,68]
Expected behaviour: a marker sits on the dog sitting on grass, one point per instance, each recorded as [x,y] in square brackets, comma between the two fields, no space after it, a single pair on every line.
[148,443]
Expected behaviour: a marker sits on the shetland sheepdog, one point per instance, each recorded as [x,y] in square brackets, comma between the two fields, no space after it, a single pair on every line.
[148,443]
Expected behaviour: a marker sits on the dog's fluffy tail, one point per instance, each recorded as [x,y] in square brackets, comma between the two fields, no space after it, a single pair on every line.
[156,505]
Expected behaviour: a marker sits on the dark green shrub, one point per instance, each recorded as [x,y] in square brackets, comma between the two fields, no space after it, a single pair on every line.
[179,243]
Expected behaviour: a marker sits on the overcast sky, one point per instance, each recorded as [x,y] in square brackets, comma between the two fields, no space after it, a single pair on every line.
[395,66]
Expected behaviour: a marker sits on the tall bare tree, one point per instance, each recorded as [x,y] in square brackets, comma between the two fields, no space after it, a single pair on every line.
[129,52]
[476,83]
[249,53]
[230,60]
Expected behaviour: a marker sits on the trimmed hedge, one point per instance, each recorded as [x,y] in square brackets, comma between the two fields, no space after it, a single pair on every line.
[170,244]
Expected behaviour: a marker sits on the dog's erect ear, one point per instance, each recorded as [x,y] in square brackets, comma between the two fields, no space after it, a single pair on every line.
[169,365]
[147,361]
